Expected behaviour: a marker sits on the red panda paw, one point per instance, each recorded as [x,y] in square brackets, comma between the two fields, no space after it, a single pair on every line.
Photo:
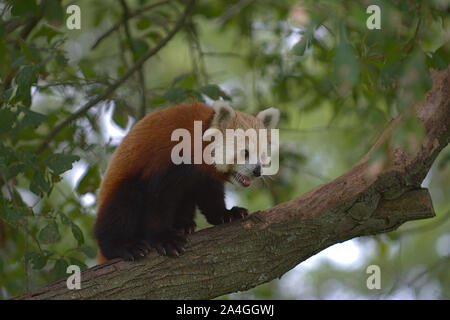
[185,228]
[136,251]
[235,213]
[171,244]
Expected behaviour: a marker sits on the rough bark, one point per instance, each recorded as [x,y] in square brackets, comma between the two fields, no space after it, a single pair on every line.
[265,245]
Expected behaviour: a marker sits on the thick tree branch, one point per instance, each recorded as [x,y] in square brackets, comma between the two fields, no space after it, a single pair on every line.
[119,82]
[267,244]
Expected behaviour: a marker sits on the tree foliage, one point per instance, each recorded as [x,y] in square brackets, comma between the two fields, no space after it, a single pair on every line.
[64,93]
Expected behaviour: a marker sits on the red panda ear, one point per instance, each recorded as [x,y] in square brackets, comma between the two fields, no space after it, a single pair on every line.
[269,117]
[223,114]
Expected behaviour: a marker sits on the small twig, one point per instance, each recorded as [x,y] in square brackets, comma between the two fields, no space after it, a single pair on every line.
[12,24]
[122,50]
[72,83]
[33,21]
[196,47]
[131,15]
[16,207]
[415,37]
[26,30]
[328,29]
[234,10]
[224,54]
[133,50]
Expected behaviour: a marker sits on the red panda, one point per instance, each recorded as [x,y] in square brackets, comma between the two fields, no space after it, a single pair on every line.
[146,201]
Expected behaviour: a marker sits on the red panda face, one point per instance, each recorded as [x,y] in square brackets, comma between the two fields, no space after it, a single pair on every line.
[246,141]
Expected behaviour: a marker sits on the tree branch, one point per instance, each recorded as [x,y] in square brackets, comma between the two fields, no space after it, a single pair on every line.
[141,76]
[129,16]
[119,82]
[265,245]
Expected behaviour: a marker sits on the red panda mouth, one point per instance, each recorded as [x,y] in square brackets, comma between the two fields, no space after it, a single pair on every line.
[243,180]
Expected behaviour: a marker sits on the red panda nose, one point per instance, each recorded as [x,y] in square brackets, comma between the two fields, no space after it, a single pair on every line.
[257,171]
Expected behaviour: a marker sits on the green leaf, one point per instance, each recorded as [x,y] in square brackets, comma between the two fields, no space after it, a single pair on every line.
[75,261]
[18,61]
[76,231]
[7,119]
[77,234]
[59,162]
[39,184]
[90,181]
[415,80]
[409,126]
[186,80]
[47,31]
[37,259]
[59,270]
[308,35]
[87,68]
[89,251]
[65,220]
[214,92]
[120,115]
[61,60]
[300,47]
[177,94]
[32,119]
[30,53]
[10,216]
[8,94]
[14,169]
[140,47]
[158,101]
[54,12]
[154,35]
[24,8]
[346,65]
[440,59]
[143,24]
[25,78]
[50,233]
[389,75]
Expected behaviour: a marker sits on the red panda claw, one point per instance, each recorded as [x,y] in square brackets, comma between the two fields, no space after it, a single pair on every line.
[127,257]
[161,250]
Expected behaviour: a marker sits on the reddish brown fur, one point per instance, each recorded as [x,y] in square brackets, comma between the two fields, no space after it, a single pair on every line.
[150,137]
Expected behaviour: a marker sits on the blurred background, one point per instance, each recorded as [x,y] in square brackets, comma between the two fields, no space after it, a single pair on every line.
[336,82]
